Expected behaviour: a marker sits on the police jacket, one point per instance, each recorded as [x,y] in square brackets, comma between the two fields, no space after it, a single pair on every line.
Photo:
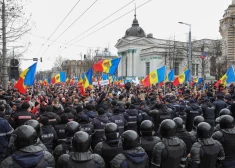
[219,105]
[108,150]
[226,138]
[120,121]
[48,137]
[148,143]
[30,156]
[132,117]
[208,111]
[5,133]
[21,117]
[53,118]
[133,158]
[85,159]
[87,127]
[99,123]
[192,111]
[65,147]
[170,153]
[60,130]
[186,137]
[206,153]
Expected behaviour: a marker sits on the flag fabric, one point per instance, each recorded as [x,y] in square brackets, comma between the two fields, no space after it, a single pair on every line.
[204,87]
[26,78]
[60,77]
[204,55]
[107,66]
[87,81]
[229,77]
[72,81]
[171,75]
[67,80]
[156,76]
[199,81]
[184,77]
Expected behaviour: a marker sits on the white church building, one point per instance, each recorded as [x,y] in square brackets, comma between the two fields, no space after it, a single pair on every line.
[140,54]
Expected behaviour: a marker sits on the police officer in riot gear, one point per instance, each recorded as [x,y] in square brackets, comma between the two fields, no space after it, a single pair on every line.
[81,157]
[109,148]
[208,111]
[119,120]
[197,120]
[183,134]
[35,124]
[65,144]
[226,137]
[132,156]
[147,140]
[207,152]
[28,153]
[223,112]
[171,151]
[85,124]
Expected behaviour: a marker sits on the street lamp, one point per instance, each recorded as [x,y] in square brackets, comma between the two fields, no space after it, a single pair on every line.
[190,48]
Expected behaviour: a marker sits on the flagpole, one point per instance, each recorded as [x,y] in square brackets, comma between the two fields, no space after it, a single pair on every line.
[165,82]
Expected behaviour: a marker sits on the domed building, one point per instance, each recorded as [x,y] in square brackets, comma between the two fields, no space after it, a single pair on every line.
[140,53]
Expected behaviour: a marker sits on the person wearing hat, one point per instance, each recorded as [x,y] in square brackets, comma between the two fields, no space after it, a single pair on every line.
[208,111]
[85,123]
[192,111]
[119,120]
[22,116]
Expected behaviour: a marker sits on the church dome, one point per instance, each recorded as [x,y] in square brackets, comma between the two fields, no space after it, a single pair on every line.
[135,30]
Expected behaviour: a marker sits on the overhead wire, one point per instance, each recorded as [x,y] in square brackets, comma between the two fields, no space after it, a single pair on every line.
[106,25]
[69,26]
[59,25]
[94,26]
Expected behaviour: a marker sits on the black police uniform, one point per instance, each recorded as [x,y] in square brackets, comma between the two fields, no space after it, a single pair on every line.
[208,111]
[109,148]
[119,120]
[29,154]
[171,151]
[207,152]
[99,123]
[226,137]
[132,118]
[132,155]
[219,105]
[21,117]
[192,111]
[81,157]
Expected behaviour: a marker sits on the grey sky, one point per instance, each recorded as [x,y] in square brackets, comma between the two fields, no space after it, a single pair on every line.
[159,17]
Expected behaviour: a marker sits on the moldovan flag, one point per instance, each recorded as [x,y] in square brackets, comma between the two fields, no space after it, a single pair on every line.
[184,77]
[155,77]
[107,66]
[229,77]
[60,77]
[26,78]
[87,81]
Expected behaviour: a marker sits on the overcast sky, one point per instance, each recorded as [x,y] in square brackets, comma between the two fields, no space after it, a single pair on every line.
[159,17]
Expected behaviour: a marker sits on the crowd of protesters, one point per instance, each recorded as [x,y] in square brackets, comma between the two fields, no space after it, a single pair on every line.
[118,127]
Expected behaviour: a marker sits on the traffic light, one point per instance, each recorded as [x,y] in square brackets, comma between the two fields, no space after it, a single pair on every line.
[40,59]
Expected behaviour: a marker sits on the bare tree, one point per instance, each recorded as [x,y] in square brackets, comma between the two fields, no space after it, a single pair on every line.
[58,64]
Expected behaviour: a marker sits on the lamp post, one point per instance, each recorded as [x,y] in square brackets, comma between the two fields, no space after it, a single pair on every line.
[189,49]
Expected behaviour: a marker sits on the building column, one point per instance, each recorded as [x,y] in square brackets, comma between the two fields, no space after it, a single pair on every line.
[129,63]
[120,64]
[133,62]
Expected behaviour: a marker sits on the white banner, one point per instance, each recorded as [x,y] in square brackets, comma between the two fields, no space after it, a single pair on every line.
[104,82]
[94,83]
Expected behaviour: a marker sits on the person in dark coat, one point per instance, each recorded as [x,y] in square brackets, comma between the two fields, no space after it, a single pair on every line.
[219,104]
[119,120]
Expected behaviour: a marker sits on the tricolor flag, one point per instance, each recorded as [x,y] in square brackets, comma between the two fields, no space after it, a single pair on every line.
[26,78]
[204,87]
[60,77]
[229,77]
[107,66]
[204,55]
[184,77]
[155,77]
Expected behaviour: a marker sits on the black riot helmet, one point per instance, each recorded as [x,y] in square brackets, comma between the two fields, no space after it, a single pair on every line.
[81,141]
[35,124]
[179,122]
[226,122]
[24,135]
[71,128]
[130,140]
[167,128]
[146,128]
[204,130]
[111,131]
[197,120]
[224,111]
